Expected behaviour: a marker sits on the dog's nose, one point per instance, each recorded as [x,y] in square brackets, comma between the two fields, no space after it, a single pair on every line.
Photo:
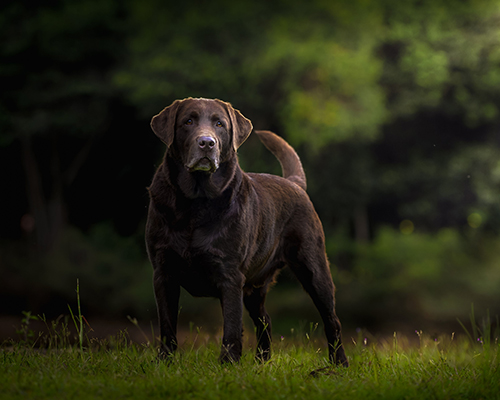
[206,142]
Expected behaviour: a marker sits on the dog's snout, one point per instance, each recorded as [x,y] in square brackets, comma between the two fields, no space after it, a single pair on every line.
[206,142]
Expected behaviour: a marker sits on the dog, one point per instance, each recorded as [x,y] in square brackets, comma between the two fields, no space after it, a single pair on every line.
[219,232]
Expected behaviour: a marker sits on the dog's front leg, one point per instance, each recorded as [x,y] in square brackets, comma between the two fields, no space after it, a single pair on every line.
[167,292]
[232,312]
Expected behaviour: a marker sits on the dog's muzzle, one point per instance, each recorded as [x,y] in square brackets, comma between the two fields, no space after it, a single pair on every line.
[203,154]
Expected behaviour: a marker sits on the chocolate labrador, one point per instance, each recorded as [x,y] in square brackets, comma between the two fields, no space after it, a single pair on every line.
[220,232]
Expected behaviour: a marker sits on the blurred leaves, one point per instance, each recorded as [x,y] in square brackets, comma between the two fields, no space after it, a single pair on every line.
[115,277]
[54,62]
[433,275]
[445,55]
[328,80]
[321,78]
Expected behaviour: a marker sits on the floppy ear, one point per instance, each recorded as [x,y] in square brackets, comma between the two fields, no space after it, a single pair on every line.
[163,124]
[242,127]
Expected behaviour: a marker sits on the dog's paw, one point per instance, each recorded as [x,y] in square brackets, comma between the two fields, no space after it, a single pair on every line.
[229,355]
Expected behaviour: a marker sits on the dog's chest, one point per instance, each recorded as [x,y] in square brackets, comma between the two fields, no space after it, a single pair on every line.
[203,263]
[196,242]
[201,228]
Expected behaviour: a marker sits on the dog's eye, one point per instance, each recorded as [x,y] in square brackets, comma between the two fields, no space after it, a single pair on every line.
[219,124]
[189,121]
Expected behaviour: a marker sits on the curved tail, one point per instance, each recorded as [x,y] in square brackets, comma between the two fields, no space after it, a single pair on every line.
[286,155]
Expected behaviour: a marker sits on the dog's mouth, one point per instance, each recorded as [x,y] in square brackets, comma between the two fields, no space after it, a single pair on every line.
[203,164]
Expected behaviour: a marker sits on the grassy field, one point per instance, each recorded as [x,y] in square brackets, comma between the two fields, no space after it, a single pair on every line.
[61,365]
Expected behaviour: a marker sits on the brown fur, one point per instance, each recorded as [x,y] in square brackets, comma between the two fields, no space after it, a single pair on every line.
[220,232]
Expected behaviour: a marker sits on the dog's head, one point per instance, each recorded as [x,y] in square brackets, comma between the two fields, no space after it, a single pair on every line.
[201,133]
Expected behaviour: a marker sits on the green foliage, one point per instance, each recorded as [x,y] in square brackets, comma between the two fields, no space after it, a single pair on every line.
[432,277]
[444,189]
[61,43]
[114,275]
[443,54]
[321,80]
[328,73]
[178,50]
[334,97]
[113,271]
[329,80]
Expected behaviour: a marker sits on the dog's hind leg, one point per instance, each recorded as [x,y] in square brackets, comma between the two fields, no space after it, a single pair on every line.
[313,272]
[254,303]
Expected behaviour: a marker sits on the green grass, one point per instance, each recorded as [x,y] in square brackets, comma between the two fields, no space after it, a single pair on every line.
[62,365]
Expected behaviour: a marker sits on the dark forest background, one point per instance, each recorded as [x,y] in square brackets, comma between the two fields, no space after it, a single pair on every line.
[393,107]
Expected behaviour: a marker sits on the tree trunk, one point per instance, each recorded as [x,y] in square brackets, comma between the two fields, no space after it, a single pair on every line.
[361,224]
[48,213]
